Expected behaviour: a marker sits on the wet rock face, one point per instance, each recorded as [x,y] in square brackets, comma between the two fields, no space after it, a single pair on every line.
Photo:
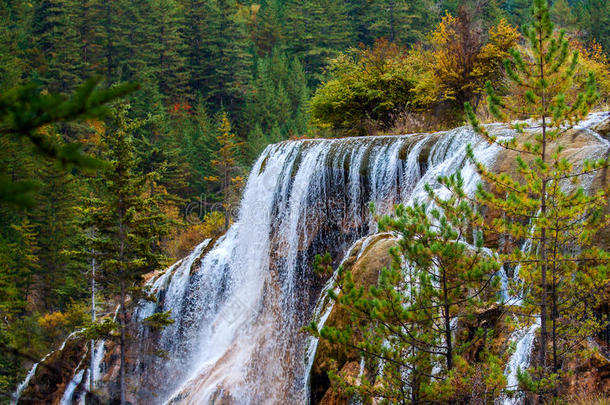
[53,375]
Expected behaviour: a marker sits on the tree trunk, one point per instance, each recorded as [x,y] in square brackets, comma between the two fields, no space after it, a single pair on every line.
[91,370]
[123,321]
[448,343]
[543,253]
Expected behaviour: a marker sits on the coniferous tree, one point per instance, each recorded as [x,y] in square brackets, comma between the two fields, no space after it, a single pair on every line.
[56,39]
[257,141]
[318,31]
[278,96]
[12,63]
[219,62]
[127,227]
[19,267]
[266,26]
[409,325]
[561,14]
[165,42]
[56,218]
[198,143]
[227,172]
[560,277]
[518,12]
[402,21]
[595,21]
[91,31]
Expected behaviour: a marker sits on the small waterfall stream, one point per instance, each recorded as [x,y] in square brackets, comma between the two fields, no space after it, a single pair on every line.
[23,385]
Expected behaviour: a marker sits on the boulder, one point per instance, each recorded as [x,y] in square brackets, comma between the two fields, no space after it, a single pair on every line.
[603,128]
[365,268]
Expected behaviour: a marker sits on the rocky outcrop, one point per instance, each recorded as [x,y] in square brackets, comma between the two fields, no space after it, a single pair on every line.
[365,267]
[54,373]
[603,128]
[587,376]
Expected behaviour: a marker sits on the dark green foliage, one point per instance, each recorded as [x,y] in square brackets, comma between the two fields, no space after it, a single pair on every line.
[277,97]
[220,64]
[595,20]
[402,21]
[24,110]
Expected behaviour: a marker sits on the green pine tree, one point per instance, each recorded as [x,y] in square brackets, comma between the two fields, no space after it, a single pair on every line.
[56,38]
[405,326]
[562,274]
[127,227]
[402,21]
[219,62]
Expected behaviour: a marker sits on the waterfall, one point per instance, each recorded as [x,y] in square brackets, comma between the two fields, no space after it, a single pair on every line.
[238,337]
[66,399]
[325,306]
[239,302]
[519,360]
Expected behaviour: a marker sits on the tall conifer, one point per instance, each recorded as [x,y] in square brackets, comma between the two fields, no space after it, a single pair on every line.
[562,273]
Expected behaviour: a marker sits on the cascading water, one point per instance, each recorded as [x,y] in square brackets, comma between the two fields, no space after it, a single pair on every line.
[237,335]
[239,304]
[519,361]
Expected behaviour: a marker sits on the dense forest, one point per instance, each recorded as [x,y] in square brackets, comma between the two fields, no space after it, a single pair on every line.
[156,110]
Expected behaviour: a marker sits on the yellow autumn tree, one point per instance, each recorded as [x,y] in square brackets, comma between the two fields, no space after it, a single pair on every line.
[460,60]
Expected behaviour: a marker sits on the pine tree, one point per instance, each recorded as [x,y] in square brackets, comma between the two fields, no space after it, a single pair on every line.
[198,144]
[518,12]
[219,61]
[127,227]
[19,267]
[265,26]
[318,31]
[595,21]
[561,14]
[562,274]
[278,95]
[225,165]
[12,64]
[91,30]
[165,48]
[56,218]
[402,21]
[56,37]
[404,325]
[257,141]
